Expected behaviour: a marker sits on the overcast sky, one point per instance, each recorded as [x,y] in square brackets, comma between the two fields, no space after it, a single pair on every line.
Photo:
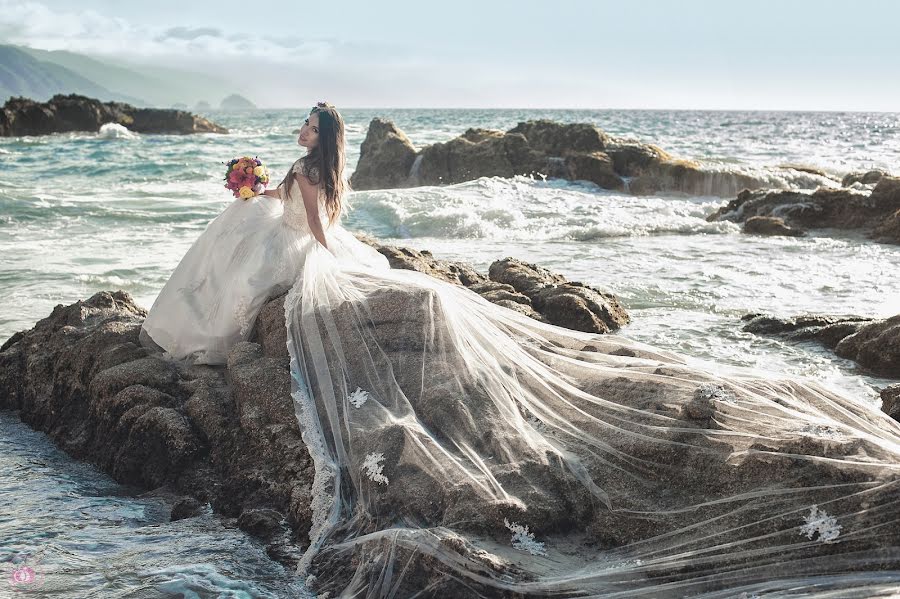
[764,54]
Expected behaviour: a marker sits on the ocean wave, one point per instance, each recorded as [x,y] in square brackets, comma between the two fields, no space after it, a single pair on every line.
[523,208]
[115,131]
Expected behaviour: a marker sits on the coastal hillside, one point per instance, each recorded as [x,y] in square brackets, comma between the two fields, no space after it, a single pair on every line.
[21,74]
[40,74]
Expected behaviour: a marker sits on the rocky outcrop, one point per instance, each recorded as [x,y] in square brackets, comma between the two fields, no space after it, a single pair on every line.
[229,436]
[873,343]
[520,286]
[875,212]
[223,436]
[867,178]
[576,151]
[61,114]
[770,225]
[390,156]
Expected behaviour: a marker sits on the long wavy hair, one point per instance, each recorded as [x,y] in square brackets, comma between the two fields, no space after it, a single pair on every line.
[329,158]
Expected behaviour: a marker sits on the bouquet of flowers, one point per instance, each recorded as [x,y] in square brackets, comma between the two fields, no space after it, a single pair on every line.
[246,177]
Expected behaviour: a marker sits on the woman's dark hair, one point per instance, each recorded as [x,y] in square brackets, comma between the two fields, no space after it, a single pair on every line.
[326,161]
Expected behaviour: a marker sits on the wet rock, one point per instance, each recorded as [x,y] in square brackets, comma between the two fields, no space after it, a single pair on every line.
[564,303]
[875,346]
[823,208]
[890,401]
[389,157]
[187,507]
[221,437]
[867,178]
[520,286]
[889,229]
[770,225]
[574,151]
[873,343]
[64,113]
[262,523]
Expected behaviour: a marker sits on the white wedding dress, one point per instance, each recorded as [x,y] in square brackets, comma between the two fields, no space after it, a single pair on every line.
[462,449]
[252,250]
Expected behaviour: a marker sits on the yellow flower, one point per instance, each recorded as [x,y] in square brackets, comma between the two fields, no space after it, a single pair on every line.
[245,192]
[236,166]
[258,171]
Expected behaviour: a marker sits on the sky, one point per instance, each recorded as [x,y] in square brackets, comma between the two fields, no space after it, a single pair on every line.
[690,54]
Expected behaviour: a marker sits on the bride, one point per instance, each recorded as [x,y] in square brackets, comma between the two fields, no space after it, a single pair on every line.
[254,249]
[462,449]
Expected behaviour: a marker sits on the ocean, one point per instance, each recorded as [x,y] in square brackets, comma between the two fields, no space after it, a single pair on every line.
[80,213]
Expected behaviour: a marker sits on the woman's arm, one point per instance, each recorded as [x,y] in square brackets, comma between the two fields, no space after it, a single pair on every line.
[273,193]
[310,195]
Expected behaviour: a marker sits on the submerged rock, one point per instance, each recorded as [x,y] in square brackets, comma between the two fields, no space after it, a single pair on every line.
[61,114]
[875,212]
[873,343]
[867,178]
[770,225]
[576,151]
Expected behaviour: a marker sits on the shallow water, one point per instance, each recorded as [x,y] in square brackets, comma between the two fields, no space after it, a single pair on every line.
[84,535]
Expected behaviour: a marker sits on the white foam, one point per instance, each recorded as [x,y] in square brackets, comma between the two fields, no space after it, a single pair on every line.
[115,131]
[523,208]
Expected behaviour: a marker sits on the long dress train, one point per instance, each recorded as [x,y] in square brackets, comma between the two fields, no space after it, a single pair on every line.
[464,449]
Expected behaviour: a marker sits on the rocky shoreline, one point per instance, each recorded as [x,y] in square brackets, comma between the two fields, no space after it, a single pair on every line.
[66,113]
[228,436]
[577,151]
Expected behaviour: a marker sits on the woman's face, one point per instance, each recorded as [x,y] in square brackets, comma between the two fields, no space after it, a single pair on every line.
[309,132]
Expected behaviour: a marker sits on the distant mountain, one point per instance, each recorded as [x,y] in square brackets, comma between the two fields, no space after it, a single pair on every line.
[21,74]
[155,86]
[237,102]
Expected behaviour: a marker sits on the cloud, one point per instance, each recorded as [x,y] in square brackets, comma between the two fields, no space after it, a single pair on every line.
[35,25]
[185,33]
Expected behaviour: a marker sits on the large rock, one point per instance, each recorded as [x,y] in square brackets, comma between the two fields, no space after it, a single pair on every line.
[872,343]
[61,114]
[572,305]
[224,436]
[875,211]
[577,151]
[389,157]
[526,288]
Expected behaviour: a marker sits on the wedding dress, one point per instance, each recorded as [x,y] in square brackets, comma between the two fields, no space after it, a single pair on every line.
[252,250]
[462,449]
